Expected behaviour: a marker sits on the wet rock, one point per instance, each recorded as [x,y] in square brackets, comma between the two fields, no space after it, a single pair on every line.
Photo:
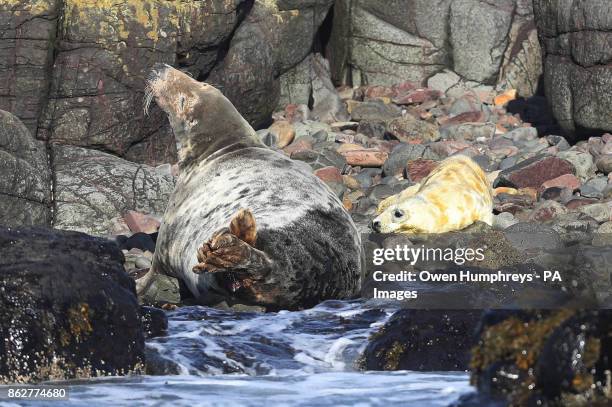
[154,321]
[25,177]
[408,129]
[534,172]
[92,188]
[543,357]
[70,311]
[423,340]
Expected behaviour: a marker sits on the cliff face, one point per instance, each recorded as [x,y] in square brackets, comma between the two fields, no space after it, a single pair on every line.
[75,69]
[487,42]
[577,41]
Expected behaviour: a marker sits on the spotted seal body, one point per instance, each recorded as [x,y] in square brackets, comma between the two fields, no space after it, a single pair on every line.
[301,247]
[454,195]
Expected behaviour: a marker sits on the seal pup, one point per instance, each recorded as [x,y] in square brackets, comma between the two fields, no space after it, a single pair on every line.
[246,224]
[454,195]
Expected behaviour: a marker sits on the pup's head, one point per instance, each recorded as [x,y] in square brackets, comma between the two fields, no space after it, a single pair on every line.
[396,218]
[202,119]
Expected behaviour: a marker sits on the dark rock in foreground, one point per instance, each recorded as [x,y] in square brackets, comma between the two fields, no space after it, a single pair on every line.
[547,358]
[67,308]
[423,340]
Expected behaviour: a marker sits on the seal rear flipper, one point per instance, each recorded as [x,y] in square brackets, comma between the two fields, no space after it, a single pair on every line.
[238,268]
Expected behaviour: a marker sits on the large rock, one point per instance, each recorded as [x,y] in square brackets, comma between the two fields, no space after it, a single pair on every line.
[92,188]
[27,32]
[67,308]
[423,340]
[385,42]
[576,37]
[25,180]
[274,37]
[479,37]
[558,357]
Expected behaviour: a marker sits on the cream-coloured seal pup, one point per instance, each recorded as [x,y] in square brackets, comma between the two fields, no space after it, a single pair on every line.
[454,195]
[246,224]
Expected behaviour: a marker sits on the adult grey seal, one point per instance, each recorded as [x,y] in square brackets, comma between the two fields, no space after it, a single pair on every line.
[246,224]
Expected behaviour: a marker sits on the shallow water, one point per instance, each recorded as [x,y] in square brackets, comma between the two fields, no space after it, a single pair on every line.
[299,358]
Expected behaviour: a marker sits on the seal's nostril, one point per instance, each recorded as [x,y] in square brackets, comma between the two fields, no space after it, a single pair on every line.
[376,225]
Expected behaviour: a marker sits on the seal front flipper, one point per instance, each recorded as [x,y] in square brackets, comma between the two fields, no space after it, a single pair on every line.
[228,248]
[239,268]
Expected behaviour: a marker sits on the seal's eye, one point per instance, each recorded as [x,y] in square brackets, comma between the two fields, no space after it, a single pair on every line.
[398,213]
[181,102]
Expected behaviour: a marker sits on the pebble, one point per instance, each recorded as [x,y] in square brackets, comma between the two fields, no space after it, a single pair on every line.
[604,163]
[599,211]
[365,158]
[582,162]
[594,188]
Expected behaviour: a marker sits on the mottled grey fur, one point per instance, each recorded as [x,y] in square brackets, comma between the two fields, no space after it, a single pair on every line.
[312,245]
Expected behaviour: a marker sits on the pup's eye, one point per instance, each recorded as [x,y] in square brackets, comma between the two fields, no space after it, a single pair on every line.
[398,213]
[181,102]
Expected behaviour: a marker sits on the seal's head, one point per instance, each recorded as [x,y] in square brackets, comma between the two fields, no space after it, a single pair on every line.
[399,218]
[202,119]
